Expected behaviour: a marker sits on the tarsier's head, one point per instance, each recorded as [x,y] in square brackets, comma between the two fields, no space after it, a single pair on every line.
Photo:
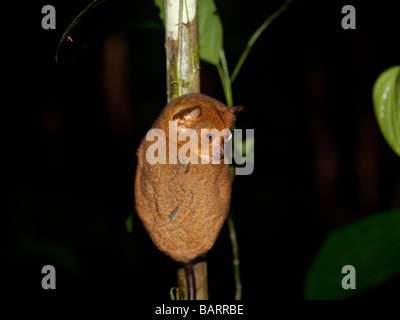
[205,117]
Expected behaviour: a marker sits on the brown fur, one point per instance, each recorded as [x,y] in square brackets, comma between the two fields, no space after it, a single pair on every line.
[183,206]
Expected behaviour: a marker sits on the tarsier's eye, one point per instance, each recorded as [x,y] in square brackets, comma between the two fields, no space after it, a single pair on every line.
[208,134]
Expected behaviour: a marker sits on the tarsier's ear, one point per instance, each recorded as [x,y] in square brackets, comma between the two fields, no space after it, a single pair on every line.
[235,110]
[184,117]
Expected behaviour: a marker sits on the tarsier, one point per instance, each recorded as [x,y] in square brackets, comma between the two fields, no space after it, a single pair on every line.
[184,205]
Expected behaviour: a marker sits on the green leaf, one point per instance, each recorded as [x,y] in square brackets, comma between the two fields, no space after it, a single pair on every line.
[129,223]
[89,8]
[210,32]
[386,98]
[371,245]
[160,5]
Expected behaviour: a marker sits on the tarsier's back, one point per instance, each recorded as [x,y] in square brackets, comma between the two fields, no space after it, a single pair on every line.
[183,205]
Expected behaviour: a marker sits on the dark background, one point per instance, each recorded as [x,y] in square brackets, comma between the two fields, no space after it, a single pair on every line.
[320,160]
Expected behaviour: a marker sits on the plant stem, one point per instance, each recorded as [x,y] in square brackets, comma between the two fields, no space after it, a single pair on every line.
[227,81]
[235,253]
[223,72]
[200,277]
[254,38]
[182,50]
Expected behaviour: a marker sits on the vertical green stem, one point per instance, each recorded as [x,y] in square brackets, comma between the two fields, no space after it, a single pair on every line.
[255,36]
[223,72]
[235,253]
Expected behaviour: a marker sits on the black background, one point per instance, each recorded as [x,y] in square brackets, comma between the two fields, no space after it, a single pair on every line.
[306,86]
